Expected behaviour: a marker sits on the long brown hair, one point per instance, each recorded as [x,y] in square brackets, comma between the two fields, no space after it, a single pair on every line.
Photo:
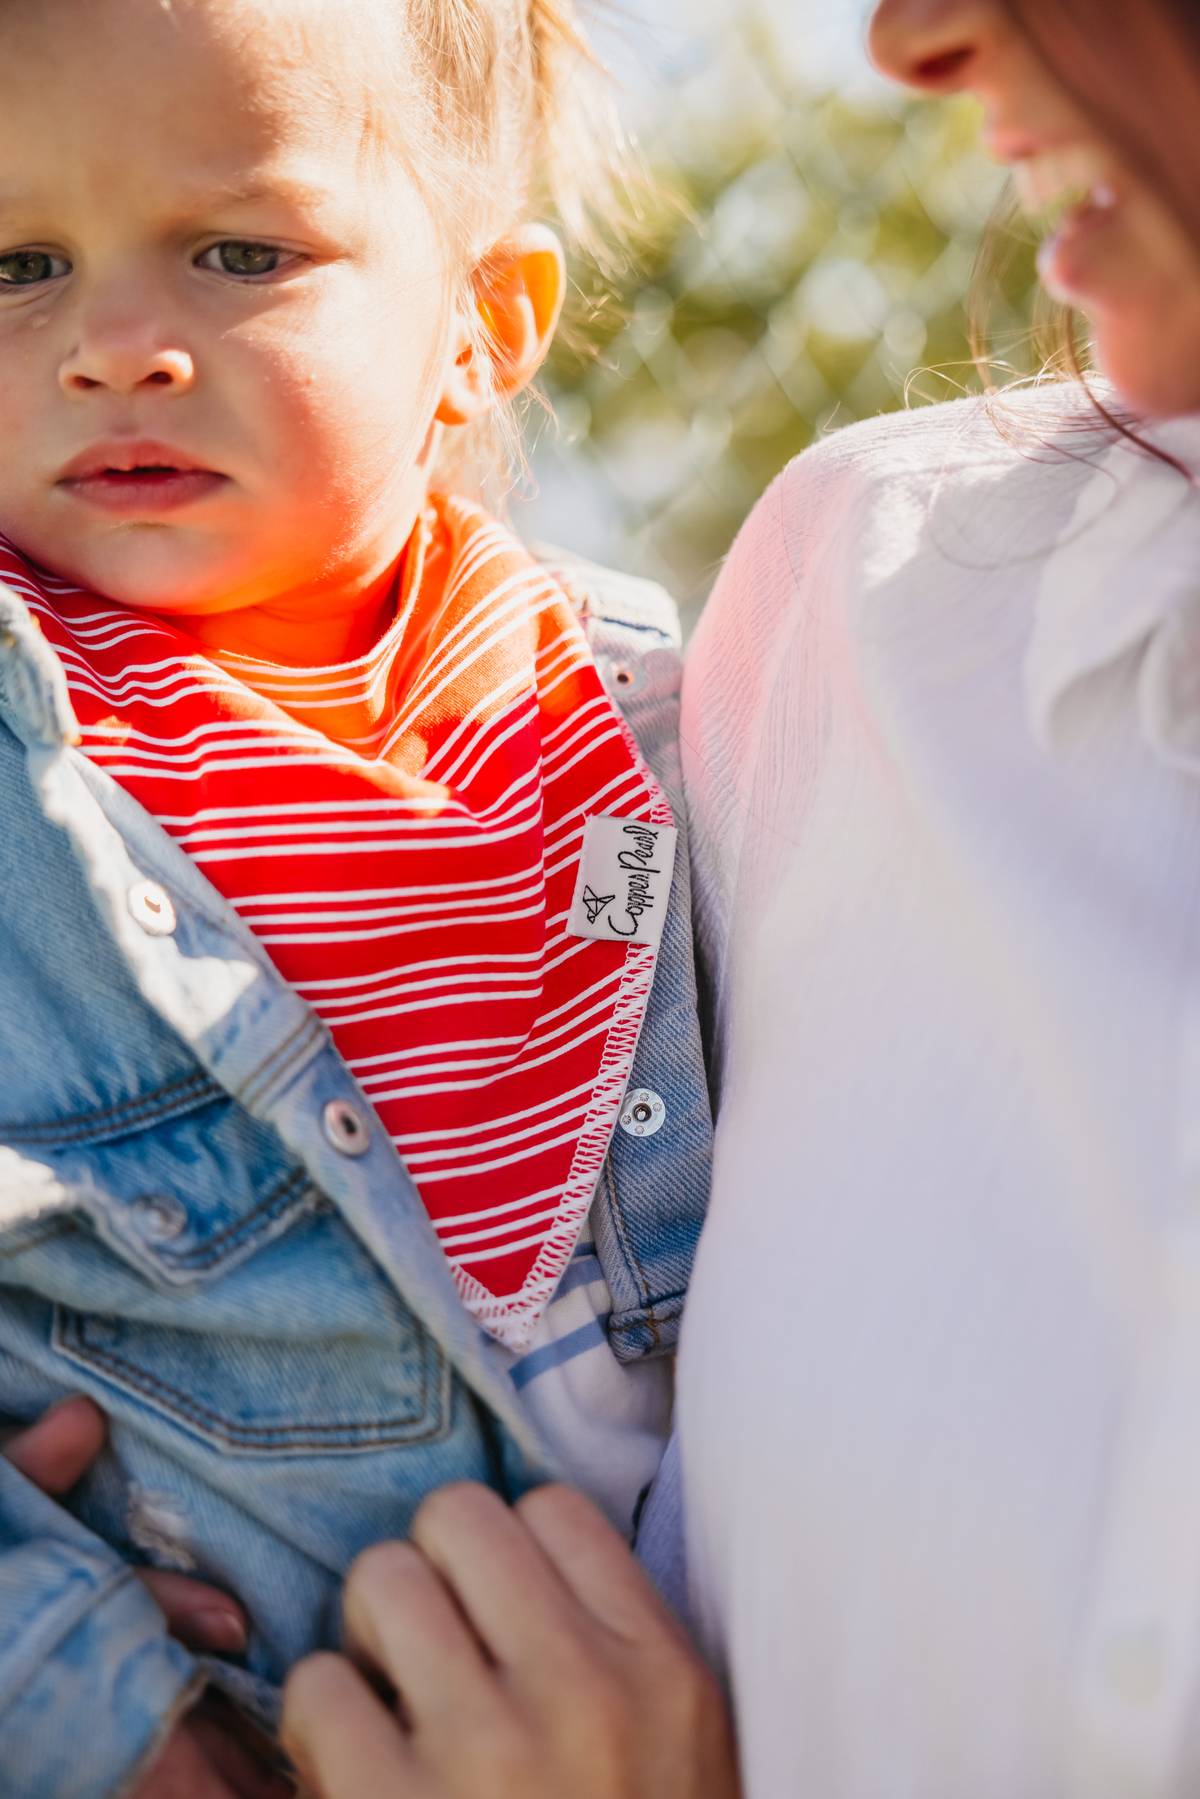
[1133,66]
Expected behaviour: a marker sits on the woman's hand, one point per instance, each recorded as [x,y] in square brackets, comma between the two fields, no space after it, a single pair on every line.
[56,1452]
[523,1655]
[213,1753]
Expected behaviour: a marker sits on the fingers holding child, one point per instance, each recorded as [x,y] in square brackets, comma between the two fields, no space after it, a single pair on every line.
[508,1652]
[55,1453]
[59,1449]
[502,1652]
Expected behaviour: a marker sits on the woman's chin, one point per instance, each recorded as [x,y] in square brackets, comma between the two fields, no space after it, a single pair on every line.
[1153,378]
[1127,266]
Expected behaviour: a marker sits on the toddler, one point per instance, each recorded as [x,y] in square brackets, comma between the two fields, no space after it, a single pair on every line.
[346,1147]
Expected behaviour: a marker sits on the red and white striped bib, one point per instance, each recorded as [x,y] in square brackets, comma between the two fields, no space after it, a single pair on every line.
[402,833]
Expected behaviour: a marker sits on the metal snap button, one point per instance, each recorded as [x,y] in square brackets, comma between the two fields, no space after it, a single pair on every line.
[624,677]
[159,1217]
[643,1113]
[151,905]
[346,1128]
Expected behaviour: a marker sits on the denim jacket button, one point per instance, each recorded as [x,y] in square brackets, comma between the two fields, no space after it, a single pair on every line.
[643,1113]
[626,678]
[159,1217]
[151,905]
[346,1128]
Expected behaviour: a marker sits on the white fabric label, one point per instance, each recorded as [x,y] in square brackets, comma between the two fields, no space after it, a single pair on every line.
[624,880]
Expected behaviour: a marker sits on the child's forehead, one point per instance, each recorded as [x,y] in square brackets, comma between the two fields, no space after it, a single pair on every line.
[227,82]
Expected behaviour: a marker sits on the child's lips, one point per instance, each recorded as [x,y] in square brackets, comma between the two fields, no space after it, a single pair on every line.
[144,490]
[138,476]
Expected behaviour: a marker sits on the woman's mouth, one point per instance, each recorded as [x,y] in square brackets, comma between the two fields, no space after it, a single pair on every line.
[1071,196]
[1054,182]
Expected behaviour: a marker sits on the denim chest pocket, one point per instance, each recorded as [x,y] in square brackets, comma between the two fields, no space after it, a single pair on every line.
[203,1277]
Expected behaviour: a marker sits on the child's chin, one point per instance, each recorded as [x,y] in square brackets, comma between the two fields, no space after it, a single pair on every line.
[155,578]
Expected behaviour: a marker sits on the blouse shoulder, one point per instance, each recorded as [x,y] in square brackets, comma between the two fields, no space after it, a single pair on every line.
[857,496]
[963,443]
[843,574]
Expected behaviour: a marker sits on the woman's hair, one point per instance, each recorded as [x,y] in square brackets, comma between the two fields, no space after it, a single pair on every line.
[1133,66]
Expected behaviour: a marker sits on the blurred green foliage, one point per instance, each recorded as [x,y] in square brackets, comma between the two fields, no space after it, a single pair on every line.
[805,262]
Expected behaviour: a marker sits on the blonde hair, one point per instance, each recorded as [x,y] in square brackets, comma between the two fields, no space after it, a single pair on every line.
[524,124]
[522,115]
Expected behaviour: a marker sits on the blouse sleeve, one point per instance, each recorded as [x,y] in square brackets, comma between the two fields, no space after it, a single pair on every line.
[756,692]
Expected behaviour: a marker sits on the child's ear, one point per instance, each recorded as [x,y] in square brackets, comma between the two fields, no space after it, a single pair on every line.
[517,296]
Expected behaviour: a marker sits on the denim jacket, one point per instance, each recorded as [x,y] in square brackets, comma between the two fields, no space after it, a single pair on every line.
[252,1293]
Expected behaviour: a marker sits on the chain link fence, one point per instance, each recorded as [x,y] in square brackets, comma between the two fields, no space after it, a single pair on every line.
[805,266]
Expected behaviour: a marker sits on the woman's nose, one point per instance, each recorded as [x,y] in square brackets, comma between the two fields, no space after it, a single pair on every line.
[935,45]
[122,363]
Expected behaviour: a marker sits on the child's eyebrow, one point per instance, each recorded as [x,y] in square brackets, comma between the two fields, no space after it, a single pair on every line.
[302,194]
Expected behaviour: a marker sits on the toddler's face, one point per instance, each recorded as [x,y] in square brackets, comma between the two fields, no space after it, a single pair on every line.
[207,270]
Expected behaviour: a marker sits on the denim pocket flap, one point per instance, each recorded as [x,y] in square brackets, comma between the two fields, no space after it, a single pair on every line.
[252,1385]
[189,1196]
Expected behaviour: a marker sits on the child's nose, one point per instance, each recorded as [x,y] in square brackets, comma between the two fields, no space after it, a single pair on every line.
[123,366]
[934,45]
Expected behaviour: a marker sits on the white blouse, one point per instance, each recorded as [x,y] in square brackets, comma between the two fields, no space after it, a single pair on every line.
[940,1379]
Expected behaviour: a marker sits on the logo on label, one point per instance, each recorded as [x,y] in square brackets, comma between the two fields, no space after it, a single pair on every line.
[624,881]
[595,903]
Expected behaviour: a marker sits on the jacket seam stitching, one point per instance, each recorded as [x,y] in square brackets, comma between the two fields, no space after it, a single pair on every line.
[632,1260]
[654,1317]
[282,1061]
[276,1201]
[297,1435]
[664,1299]
[144,1107]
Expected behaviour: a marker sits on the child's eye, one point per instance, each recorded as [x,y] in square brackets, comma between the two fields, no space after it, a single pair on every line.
[237,257]
[28,268]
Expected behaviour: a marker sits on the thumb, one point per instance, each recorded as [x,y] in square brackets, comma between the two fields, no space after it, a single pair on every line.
[56,1451]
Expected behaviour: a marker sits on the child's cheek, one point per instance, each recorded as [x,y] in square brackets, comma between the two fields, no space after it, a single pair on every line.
[347,362]
[38,438]
[30,357]
[342,419]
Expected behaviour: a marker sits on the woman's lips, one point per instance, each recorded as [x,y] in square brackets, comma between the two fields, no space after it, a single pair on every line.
[149,491]
[1079,259]
[1075,197]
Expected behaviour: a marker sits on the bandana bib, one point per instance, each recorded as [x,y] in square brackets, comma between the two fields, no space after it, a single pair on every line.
[406,834]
